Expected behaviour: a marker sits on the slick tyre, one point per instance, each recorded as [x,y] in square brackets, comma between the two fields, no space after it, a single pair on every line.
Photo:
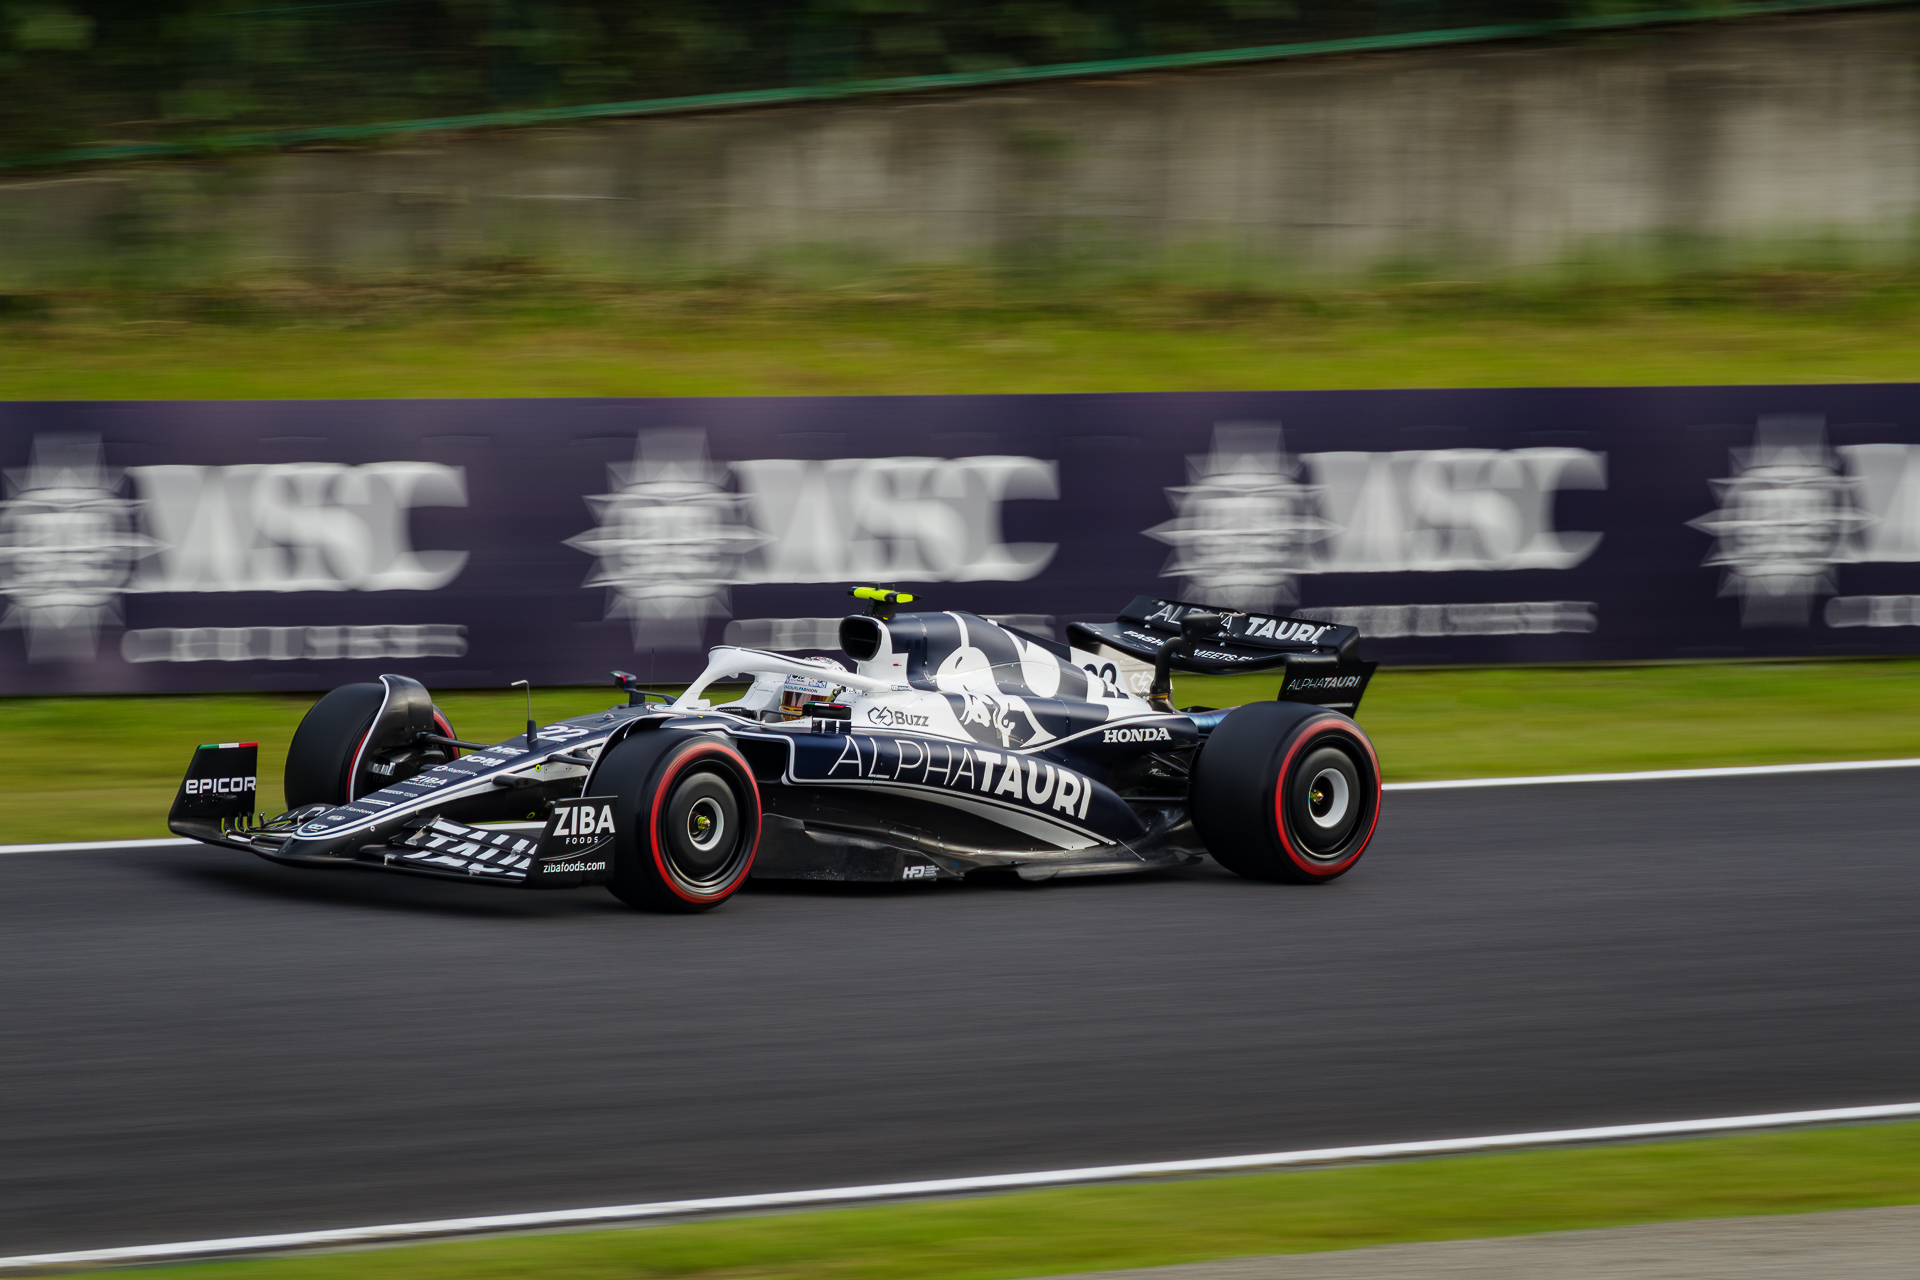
[331,736]
[686,819]
[1286,791]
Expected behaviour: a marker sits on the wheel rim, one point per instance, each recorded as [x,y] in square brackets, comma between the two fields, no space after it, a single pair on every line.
[1324,803]
[1328,797]
[701,830]
[706,824]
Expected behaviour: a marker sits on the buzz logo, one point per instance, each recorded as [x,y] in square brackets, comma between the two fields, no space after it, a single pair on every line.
[220,786]
[584,820]
[1157,733]
[893,718]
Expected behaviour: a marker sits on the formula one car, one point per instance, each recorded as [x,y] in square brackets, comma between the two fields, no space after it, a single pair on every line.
[950,745]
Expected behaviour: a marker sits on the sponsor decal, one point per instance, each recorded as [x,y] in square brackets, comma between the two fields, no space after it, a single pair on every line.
[679,529]
[578,841]
[68,547]
[1282,629]
[1325,682]
[895,718]
[296,526]
[921,872]
[1787,516]
[1499,618]
[384,770]
[294,644]
[955,766]
[1252,519]
[219,786]
[583,820]
[1152,733]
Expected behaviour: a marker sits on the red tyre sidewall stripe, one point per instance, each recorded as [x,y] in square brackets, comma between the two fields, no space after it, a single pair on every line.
[359,752]
[446,731]
[1314,730]
[675,768]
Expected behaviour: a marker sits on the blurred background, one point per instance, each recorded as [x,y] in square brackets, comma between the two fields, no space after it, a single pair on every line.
[1252,145]
[457,207]
[97,72]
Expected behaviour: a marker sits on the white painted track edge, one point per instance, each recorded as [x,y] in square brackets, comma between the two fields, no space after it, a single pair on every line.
[1449,784]
[163,842]
[444,1228]
[1655,775]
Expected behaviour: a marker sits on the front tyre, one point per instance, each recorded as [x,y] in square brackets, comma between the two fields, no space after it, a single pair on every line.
[1286,791]
[686,819]
[339,753]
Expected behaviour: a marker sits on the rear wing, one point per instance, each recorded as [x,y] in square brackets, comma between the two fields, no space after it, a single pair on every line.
[1320,661]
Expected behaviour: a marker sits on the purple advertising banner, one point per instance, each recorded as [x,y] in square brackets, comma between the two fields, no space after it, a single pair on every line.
[300,544]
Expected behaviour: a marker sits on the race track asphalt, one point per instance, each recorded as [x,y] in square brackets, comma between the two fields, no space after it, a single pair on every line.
[195,1043]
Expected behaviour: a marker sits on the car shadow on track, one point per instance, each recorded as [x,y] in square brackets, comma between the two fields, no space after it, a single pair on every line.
[387,892]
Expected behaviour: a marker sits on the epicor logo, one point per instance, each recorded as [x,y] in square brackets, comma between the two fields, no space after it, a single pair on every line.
[1157,734]
[219,786]
[584,820]
[892,718]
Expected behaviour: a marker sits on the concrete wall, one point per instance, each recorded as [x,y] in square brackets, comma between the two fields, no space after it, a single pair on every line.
[1777,141]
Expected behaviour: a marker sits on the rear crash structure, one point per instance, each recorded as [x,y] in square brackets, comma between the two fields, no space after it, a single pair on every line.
[944,745]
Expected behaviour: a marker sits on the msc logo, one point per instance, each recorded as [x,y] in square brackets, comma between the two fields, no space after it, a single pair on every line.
[1156,734]
[892,718]
[219,786]
[584,820]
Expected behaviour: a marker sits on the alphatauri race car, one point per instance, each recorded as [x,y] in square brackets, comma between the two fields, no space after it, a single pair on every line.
[945,745]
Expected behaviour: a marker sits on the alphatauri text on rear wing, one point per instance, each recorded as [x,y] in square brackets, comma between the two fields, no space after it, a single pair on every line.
[1320,661]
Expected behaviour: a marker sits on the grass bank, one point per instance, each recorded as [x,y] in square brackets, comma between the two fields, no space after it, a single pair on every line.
[106,768]
[1100,1228]
[505,334]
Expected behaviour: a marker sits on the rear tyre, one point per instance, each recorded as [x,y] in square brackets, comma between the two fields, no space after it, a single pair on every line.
[686,819]
[333,734]
[1286,791]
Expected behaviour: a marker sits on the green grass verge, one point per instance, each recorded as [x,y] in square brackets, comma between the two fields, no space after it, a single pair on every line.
[1099,1228]
[107,768]
[502,335]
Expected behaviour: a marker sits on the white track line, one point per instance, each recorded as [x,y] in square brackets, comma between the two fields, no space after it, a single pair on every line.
[73,845]
[1655,775]
[1450,784]
[401,1231]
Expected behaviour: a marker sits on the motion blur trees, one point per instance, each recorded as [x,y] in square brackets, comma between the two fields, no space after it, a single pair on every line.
[100,71]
